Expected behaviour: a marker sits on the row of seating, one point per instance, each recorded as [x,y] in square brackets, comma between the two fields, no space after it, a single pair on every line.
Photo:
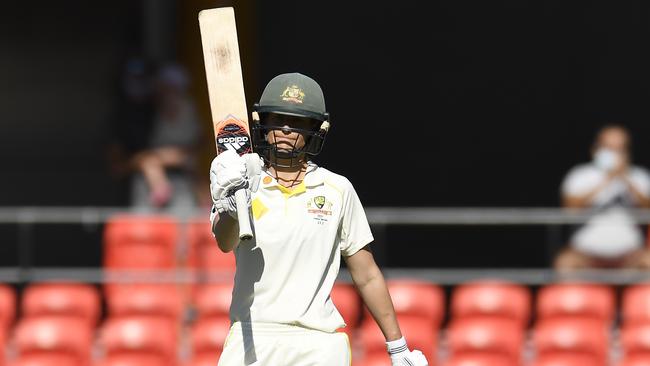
[485,317]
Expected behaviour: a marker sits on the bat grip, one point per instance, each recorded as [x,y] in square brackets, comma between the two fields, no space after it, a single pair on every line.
[243,216]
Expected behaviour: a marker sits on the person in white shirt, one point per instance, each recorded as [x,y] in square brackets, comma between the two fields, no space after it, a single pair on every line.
[305,219]
[609,186]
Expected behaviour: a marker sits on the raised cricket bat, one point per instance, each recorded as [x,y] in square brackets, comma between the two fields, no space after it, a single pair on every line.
[226,92]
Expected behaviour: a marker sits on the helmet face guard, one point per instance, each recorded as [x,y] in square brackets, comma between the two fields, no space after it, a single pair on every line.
[261,133]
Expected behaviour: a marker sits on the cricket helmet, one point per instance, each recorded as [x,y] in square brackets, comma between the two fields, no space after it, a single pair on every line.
[295,95]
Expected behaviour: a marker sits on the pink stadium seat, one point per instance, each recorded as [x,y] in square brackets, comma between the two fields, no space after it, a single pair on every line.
[209,335]
[7,307]
[584,300]
[639,360]
[140,242]
[480,359]
[145,335]
[494,336]
[54,336]
[577,336]
[204,254]
[636,304]
[348,303]
[46,360]
[492,298]
[412,298]
[213,299]
[142,299]
[565,359]
[70,299]
[135,360]
[635,339]
[420,335]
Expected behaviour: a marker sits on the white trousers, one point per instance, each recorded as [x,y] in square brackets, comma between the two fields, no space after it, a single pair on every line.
[265,344]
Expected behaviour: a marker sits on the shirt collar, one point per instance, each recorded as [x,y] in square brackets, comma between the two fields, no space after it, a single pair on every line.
[315,176]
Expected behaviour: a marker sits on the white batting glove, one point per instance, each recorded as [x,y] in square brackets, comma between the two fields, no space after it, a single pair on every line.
[227,175]
[401,356]
[254,166]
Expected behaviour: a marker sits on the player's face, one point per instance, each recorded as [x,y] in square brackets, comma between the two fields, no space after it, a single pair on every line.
[283,137]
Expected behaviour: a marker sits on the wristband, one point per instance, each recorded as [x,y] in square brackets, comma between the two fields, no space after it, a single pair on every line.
[396,346]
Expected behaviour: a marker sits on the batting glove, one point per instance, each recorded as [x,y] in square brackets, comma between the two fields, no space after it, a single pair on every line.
[401,356]
[227,175]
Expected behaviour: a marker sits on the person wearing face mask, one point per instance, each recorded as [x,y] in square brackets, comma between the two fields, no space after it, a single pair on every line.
[608,186]
[306,219]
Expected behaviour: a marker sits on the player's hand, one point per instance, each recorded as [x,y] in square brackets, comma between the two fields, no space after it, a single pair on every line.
[227,175]
[254,166]
[401,356]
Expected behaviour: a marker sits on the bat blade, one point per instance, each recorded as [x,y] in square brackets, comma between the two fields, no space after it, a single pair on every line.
[226,93]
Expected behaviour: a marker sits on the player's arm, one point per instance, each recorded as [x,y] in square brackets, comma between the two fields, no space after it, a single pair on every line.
[226,231]
[370,283]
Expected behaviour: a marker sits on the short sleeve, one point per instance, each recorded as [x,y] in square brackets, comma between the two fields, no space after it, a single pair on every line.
[578,181]
[355,230]
[642,181]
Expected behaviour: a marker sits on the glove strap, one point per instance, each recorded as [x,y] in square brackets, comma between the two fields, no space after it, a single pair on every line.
[397,346]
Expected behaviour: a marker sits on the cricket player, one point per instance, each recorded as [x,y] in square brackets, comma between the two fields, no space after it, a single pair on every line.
[305,218]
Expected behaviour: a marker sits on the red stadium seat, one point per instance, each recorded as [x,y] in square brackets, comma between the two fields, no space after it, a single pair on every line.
[480,359]
[213,299]
[635,339]
[70,299]
[141,299]
[565,359]
[636,304]
[577,336]
[419,335]
[135,360]
[140,242]
[413,298]
[151,335]
[494,299]
[375,359]
[54,335]
[205,360]
[585,300]
[46,360]
[495,336]
[348,304]
[7,307]
[209,335]
[204,254]
[639,360]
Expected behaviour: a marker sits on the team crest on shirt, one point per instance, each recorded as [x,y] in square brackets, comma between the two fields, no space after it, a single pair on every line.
[320,208]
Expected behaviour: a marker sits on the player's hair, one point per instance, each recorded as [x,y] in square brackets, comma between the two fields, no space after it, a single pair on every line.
[613,126]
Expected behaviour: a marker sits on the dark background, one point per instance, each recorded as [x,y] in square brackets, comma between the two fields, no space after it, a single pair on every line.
[440,103]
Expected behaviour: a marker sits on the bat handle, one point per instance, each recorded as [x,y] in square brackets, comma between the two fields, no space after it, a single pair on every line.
[243,216]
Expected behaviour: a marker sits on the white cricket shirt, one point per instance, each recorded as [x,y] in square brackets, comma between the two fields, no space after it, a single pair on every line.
[285,275]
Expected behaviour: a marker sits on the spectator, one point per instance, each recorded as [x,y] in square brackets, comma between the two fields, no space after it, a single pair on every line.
[609,186]
[159,133]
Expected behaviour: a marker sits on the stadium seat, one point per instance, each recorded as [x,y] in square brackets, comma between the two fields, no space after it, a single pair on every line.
[142,299]
[636,304]
[565,359]
[374,359]
[348,303]
[584,300]
[140,242]
[208,335]
[203,253]
[213,299]
[492,298]
[54,335]
[635,339]
[495,336]
[413,298]
[639,360]
[205,360]
[150,335]
[46,360]
[420,335]
[577,336]
[7,307]
[480,359]
[69,299]
[136,360]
